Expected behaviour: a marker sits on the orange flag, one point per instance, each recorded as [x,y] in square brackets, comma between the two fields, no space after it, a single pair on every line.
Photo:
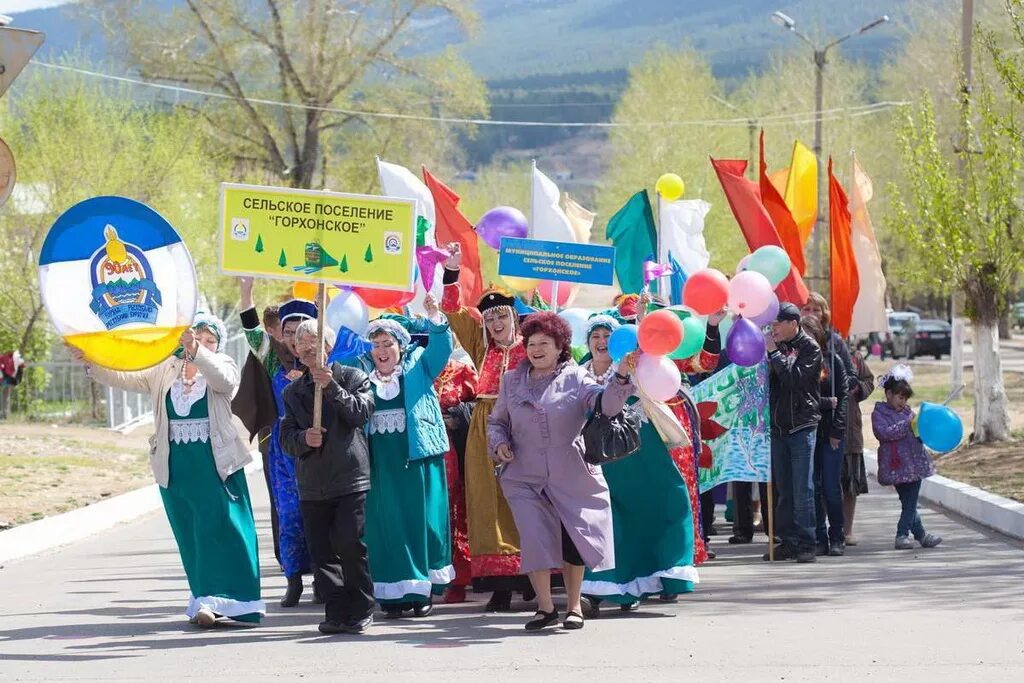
[843,262]
[773,202]
[452,226]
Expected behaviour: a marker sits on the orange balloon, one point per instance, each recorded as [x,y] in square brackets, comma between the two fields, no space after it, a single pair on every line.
[660,333]
[305,290]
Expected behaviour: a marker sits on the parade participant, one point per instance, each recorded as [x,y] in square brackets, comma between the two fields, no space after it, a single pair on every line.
[490,335]
[332,469]
[456,390]
[560,502]
[817,307]
[829,446]
[12,369]
[281,371]
[198,459]
[854,478]
[407,527]
[794,364]
[902,460]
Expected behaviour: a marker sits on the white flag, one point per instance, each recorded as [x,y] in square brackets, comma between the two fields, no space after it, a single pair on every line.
[869,309]
[547,220]
[398,181]
[681,234]
[582,220]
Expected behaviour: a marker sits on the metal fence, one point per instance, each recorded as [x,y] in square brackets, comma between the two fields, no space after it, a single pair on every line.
[61,391]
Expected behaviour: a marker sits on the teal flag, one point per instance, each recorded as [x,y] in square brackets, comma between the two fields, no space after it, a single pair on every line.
[633,233]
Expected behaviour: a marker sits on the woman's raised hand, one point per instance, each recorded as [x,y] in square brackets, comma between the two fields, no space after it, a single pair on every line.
[454,261]
[430,306]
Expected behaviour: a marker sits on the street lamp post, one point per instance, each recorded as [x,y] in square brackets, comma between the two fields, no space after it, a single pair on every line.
[820,60]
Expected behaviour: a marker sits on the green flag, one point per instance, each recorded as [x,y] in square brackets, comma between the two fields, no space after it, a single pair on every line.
[632,231]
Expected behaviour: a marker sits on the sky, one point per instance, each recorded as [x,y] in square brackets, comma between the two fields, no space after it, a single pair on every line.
[14,6]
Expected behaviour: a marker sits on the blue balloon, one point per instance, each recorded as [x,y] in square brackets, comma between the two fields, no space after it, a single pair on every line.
[939,427]
[622,342]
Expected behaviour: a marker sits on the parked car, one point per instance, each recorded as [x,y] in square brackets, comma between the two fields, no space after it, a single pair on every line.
[902,333]
[933,338]
[1017,316]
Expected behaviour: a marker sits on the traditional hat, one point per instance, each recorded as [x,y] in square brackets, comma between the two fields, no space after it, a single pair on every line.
[204,320]
[601,320]
[297,309]
[495,297]
[391,326]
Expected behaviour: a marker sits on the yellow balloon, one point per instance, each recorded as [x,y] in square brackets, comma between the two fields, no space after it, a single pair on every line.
[520,284]
[304,290]
[670,186]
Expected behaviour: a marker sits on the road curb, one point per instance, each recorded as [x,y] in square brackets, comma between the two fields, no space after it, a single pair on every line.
[978,505]
[75,525]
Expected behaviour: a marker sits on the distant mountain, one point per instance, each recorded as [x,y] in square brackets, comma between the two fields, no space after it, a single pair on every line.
[526,38]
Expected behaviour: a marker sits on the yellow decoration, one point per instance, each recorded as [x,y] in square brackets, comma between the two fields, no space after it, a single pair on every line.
[304,290]
[670,187]
[521,285]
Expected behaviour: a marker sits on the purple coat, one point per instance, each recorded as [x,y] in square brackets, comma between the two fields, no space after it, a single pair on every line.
[548,485]
[901,455]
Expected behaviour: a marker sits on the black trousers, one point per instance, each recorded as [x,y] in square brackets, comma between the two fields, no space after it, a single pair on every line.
[707,513]
[743,515]
[263,439]
[334,536]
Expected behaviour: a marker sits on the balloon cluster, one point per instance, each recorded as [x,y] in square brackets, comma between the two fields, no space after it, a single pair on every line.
[749,296]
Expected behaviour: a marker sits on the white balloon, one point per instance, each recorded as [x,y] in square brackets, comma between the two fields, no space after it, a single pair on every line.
[577,319]
[346,309]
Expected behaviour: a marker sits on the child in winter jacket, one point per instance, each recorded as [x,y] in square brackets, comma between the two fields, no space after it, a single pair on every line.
[902,460]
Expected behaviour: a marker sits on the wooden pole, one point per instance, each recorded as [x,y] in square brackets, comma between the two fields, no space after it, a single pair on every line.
[318,394]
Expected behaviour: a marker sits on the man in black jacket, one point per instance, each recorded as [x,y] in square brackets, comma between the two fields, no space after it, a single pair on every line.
[332,470]
[795,363]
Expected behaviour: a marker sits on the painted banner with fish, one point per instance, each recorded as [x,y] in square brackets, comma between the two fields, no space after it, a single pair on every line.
[318,236]
[739,447]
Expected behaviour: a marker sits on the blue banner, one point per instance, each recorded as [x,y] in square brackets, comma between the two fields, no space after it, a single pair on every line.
[585,264]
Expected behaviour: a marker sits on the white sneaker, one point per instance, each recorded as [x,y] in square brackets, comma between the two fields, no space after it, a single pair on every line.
[904,543]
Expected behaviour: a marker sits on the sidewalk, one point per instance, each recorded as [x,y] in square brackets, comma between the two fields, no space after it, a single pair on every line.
[109,608]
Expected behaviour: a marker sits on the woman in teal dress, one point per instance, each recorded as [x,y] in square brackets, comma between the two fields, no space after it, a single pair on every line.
[407,524]
[198,459]
[651,513]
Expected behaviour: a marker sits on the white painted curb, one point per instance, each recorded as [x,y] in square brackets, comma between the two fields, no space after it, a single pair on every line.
[978,505]
[52,532]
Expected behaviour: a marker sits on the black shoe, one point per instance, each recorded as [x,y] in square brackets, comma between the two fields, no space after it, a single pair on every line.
[360,626]
[541,620]
[591,607]
[838,549]
[669,597]
[332,628]
[805,556]
[740,540]
[573,621]
[782,554]
[629,607]
[501,601]
[422,609]
[393,611]
[821,549]
[711,554]
[294,592]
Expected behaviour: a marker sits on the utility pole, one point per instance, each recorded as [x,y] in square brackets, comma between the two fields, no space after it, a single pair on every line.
[818,271]
[956,355]
[753,123]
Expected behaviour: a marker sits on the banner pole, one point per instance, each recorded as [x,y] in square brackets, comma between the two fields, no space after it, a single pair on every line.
[554,296]
[318,394]
[771,517]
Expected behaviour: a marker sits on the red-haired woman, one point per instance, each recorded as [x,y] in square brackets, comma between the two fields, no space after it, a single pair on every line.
[560,503]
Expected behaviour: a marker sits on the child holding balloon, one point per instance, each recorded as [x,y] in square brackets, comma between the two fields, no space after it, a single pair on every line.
[902,460]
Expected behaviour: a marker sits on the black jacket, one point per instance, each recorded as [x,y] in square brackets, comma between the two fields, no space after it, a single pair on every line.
[795,394]
[833,384]
[342,465]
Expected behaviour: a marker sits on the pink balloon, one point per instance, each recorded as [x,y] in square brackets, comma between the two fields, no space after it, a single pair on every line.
[750,294]
[658,376]
[564,292]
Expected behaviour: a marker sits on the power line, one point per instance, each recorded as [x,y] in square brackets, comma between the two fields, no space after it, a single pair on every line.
[772,119]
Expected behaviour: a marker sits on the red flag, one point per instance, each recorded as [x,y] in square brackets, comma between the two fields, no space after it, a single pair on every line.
[781,216]
[452,226]
[745,201]
[843,263]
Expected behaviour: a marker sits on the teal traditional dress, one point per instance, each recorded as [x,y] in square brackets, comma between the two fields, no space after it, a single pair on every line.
[652,521]
[212,520]
[407,524]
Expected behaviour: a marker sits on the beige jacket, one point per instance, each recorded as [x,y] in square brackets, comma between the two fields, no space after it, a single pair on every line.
[221,372]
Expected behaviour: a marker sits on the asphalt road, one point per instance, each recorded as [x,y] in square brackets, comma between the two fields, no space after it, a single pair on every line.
[109,608]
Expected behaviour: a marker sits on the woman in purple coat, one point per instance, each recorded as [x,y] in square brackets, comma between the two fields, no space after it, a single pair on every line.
[559,502]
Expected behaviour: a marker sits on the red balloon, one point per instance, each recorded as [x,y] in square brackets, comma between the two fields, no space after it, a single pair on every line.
[383,298]
[564,292]
[660,333]
[706,291]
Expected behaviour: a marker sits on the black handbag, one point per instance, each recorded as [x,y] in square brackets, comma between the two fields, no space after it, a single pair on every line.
[607,439]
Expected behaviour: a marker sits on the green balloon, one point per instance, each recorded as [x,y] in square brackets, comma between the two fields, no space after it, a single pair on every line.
[694,331]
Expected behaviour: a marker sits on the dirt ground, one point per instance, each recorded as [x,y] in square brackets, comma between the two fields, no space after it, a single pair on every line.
[48,469]
[998,468]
